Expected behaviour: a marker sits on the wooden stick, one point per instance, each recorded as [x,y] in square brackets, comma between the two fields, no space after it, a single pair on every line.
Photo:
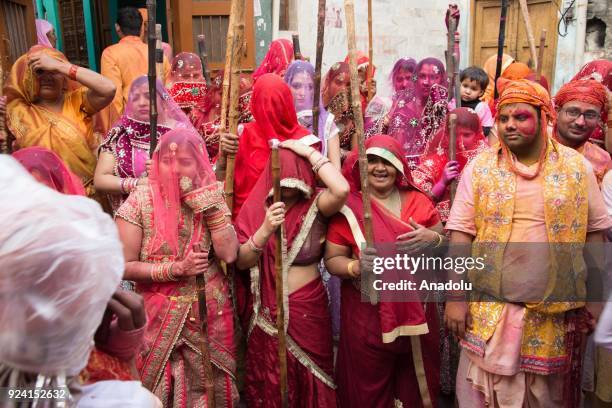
[452,149]
[203,57]
[238,34]
[159,53]
[5,145]
[370,75]
[208,378]
[227,72]
[500,44]
[452,63]
[278,264]
[541,56]
[316,100]
[152,77]
[530,38]
[358,118]
[297,53]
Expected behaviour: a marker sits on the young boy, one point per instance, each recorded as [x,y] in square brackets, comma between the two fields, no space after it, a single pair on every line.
[474,81]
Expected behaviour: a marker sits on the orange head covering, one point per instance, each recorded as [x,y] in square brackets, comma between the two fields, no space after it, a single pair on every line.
[585,90]
[516,70]
[489,66]
[532,93]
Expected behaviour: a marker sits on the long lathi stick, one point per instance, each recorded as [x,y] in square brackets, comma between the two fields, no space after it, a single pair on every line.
[500,44]
[318,65]
[541,54]
[359,134]
[278,266]
[152,75]
[452,149]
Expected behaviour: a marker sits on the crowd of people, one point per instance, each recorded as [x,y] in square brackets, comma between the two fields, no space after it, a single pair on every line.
[111,310]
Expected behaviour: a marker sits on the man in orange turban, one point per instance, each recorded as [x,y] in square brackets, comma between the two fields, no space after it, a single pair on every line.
[517,205]
[582,108]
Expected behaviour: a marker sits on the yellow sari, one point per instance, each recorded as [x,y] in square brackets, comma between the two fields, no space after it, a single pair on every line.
[69,134]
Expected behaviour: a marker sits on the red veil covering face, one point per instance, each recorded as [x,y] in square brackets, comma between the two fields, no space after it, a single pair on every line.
[363,62]
[336,97]
[186,83]
[307,318]
[47,168]
[276,61]
[470,142]
[389,324]
[275,118]
[180,169]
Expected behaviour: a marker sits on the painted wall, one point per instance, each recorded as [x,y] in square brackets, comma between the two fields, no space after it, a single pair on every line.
[416,29]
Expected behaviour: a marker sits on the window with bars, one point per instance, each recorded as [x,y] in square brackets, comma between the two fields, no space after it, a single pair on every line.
[215,29]
[73,31]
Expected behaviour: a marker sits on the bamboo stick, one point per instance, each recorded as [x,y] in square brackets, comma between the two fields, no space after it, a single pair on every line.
[528,29]
[238,34]
[316,100]
[359,133]
[370,75]
[208,378]
[152,76]
[278,264]
[500,44]
[541,56]
[227,72]
[452,149]
[452,63]
[159,53]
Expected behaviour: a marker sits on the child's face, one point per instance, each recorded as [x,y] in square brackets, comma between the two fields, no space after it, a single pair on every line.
[470,90]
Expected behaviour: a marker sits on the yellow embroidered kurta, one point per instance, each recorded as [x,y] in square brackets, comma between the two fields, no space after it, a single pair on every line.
[563,184]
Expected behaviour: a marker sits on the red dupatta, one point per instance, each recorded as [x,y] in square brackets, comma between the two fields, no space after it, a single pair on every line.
[275,118]
[396,318]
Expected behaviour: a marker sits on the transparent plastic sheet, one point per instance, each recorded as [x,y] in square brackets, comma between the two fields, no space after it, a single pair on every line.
[60,262]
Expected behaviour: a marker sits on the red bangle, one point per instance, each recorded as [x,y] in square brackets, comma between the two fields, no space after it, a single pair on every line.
[73,72]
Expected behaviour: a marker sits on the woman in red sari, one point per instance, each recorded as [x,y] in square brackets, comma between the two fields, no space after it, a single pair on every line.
[436,171]
[186,83]
[275,118]
[336,96]
[173,229]
[47,168]
[302,212]
[389,352]
[277,60]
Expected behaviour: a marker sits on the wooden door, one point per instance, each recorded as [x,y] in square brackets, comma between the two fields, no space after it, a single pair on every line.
[17,30]
[189,18]
[73,32]
[485,31]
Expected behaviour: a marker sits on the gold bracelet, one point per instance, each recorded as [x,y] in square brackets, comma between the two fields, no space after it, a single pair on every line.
[254,248]
[349,267]
[440,239]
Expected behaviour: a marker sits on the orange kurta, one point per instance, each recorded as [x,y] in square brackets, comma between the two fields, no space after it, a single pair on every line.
[122,63]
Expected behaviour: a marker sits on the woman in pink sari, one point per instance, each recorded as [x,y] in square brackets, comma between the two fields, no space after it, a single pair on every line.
[436,171]
[415,119]
[47,168]
[302,212]
[186,83]
[45,33]
[389,352]
[124,152]
[173,229]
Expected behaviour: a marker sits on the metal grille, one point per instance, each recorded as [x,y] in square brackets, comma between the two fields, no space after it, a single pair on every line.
[15,18]
[73,30]
[215,30]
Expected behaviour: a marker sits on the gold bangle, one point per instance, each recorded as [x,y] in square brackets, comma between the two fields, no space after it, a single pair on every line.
[349,267]
[440,239]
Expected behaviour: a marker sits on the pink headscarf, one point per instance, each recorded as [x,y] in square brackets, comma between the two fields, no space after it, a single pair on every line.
[42,28]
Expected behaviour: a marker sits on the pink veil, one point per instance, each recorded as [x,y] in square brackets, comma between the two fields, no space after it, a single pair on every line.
[186,67]
[42,28]
[180,168]
[47,168]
